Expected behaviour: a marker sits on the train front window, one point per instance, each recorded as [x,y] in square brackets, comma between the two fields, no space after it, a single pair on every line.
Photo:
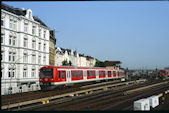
[46,73]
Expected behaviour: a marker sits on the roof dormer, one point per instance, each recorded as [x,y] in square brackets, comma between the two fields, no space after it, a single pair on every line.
[29,14]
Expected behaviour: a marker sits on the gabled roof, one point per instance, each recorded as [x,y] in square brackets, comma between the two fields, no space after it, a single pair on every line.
[13,10]
[39,20]
[19,12]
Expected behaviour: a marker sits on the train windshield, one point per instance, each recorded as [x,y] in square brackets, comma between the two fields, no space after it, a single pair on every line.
[46,73]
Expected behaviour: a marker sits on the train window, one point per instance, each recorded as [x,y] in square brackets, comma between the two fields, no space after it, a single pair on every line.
[59,74]
[73,74]
[103,73]
[100,73]
[80,73]
[109,73]
[91,73]
[63,74]
[94,73]
[77,74]
[88,73]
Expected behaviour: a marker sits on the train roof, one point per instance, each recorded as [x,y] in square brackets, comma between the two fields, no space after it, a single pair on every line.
[163,70]
[74,67]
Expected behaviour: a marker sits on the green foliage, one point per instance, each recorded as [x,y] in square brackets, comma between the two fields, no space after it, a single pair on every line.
[66,63]
[70,63]
[100,64]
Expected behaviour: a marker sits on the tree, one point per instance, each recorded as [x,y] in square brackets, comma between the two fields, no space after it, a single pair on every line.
[99,64]
[70,63]
[66,63]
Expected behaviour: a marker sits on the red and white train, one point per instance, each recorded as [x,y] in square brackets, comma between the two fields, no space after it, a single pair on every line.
[52,76]
[163,73]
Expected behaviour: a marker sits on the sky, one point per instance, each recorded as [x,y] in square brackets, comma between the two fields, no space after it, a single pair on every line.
[134,32]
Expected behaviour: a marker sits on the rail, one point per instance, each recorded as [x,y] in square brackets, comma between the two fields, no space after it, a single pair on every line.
[88,91]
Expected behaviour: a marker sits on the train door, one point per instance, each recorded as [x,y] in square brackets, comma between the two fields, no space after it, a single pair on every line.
[114,74]
[68,76]
[97,74]
[84,75]
[118,74]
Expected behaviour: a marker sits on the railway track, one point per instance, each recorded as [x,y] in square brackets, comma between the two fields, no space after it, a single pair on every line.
[8,106]
[21,97]
[116,99]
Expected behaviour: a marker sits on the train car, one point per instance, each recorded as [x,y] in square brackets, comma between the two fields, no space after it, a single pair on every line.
[163,73]
[53,76]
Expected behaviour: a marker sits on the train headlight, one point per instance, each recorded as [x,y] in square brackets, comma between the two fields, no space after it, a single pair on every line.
[52,79]
[40,79]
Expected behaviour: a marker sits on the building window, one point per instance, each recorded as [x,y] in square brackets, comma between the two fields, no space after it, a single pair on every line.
[39,59]
[33,72]
[2,21]
[11,72]
[10,56]
[26,27]
[13,56]
[33,44]
[2,55]
[44,47]
[29,15]
[14,25]
[14,41]
[10,23]
[2,38]
[25,57]
[25,43]
[2,70]
[10,40]
[39,32]
[44,35]
[39,46]
[24,73]
[44,60]
[33,59]
[33,30]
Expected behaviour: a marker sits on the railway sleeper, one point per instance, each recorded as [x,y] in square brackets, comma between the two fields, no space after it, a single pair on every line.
[99,89]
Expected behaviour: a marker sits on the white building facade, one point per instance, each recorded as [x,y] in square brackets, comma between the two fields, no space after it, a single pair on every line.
[75,58]
[24,49]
